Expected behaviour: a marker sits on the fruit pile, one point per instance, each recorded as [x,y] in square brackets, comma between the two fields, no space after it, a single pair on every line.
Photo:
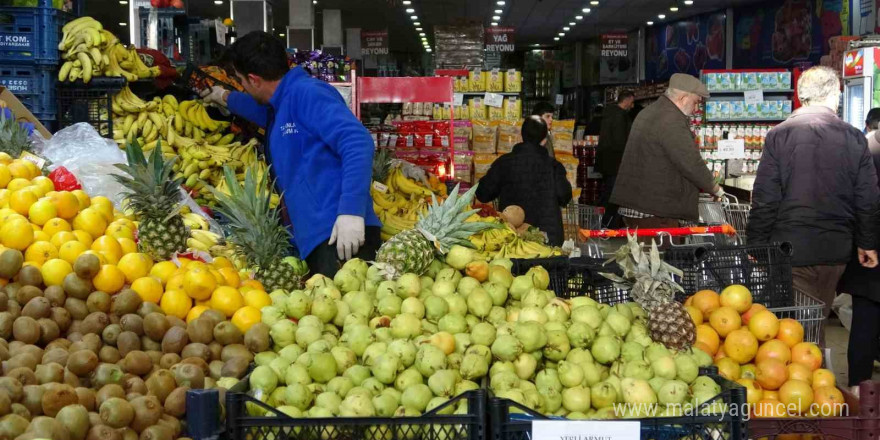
[507,242]
[767,355]
[91,51]
[399,201]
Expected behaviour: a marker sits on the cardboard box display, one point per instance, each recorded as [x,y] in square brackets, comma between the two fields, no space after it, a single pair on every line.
[22,114]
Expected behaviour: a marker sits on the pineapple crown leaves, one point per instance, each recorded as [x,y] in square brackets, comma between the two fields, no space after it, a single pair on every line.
[151,193]
[647,277]
[381,164]
[444,225]
[14,138]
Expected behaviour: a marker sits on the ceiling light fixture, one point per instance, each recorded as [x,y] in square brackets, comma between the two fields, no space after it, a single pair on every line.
[419,29]
[413,17]
[688,2]
[555,38]
[496,17]
[417,24]
[407,2]
[562,34]
[428,50]
[494,23]
[410,10]
[498,11]
[500,3]
[650,23]
[566,29]
[216,2]
[661,16]
[314,2]
[123,2]
[280,35]
[421,34]
[586,10]
[578,17]
[673,8]
[571,23]
[122,23]
[594,3]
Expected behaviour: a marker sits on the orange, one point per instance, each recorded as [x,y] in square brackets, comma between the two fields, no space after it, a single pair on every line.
[724,320]
[82,198]
[17,234]
[18,183]
[124,222]
[83,237]
[20,201]
[230,276]
[90,220]
[55,226]
[728,368]
[176,303]
[807,353]
[109,279]
[54,271]
[706,301]
[769,408]
[33,170]
[754,392]
[218,276]
[5,158]
[720,354]
[198,283]
[764,325]
[4,197]
[109,247]
[18,170]
[41,212]
[774,349]
[175,282]
[257,299]
[41,236]
[5,176]
[797,396]
[148,288]
[227,300]
[118,230]
[70,250]
[696,314]
[771,394]
[104,206]
[195,312]
[245,318]
[829,402]
[799,372]
[689,301]
[163,271]
[221,262]
[737,297]
[822,378]
[254,284]
[741,345]
[771,374]
[65,203]
[128,245]
[7,214]
[708,336]
[134,265]
[40,251]
[44,183]
[790,331]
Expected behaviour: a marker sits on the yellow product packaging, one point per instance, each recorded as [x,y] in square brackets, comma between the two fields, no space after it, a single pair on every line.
[494,81]
[477,109]
[495,113]
[477,81]
[512,109]
[563,135]
[482,163]
[464,165]
[570,163]
[508,135]
[575,194]
[484,137]
[437,112]
[513,81]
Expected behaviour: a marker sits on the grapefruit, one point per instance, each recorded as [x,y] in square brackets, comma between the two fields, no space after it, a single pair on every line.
[747,371]
[55,226]
[728,368]
[807,353]
[54,271]
[764,325]
[706,301]
[741,346]
[109,279]
[797,396]
[737,297]
[754,392]
[769,408]
[774,349]
[800,372]
[790,331]
[725,320]
[771,374]
[707,336]
[41,212]
[696,314]
[822,378]
[828,402]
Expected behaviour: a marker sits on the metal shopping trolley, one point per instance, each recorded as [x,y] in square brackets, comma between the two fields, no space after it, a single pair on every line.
[727,211]
[577,216]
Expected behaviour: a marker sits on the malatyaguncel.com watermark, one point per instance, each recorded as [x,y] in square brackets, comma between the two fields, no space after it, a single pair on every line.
[746,410]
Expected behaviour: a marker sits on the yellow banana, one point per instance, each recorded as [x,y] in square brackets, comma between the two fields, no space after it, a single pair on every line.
[225,139]
[171,101]
[64,71]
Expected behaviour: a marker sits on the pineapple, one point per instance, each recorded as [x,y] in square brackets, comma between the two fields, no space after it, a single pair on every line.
[13,137]
[444,226]
[154,197]
[650,283]
[255,228]
[381,164]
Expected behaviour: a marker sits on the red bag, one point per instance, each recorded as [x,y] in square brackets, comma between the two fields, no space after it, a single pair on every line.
[64,180]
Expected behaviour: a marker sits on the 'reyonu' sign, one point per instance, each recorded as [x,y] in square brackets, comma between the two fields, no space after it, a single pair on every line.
[374,42]
[500,39]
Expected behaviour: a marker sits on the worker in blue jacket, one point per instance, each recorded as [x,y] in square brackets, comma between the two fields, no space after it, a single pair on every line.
[319,152]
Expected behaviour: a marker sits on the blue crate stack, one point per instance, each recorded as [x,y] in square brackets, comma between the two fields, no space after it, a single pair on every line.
[29,56]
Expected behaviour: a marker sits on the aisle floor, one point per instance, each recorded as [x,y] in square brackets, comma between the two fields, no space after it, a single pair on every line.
[837,339]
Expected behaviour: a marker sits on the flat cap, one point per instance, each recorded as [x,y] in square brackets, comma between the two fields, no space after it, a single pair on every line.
[688,83]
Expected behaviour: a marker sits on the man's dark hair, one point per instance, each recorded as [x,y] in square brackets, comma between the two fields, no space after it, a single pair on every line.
[873,118]
[624,95]
[543,107]
[534,130]
[261,54]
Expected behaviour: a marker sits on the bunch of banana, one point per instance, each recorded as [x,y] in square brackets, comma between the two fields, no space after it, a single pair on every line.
[492,240]
[203,240]
[90,51]
[195,221]
[195,114]
[393,225]
[519,248]
[396,181]
[147,127]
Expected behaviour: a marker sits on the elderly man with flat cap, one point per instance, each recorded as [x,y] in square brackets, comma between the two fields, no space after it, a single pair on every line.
[662,173]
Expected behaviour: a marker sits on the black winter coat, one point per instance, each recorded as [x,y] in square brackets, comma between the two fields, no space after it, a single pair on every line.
[616,125]
[816,188]
[529,178]
[858,280]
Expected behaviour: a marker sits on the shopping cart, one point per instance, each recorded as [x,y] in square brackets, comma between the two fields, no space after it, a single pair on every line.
[727,211]
[577,216]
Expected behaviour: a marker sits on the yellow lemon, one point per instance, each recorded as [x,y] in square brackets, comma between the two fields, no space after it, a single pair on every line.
[125,222]
[5,158]
[54,271]
[33,169]
[257,299]
[56,225]
[40,252]
[184,262]
[128,245]
[119,231]
[230,276]
[198,283]
[20,201]
[70,250]
[82,198]
[109,279]
[4,197]
[176,281]
[5,176]
[227,300]
[17,184]
[104,206]
[176,303]
[44,183]
[83,237]
[134,265]
[163,270]
[19,170]
[65,203]
[148,288]
[61,237]
[221,262]
[17,234]
[90,220]
[109,247]
[41,236]
[7,213]
[41,211]
[245,318]
[195,312]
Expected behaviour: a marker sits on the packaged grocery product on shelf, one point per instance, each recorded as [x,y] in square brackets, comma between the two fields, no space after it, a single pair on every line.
[509,134]
[477,81]
[495,113]
[484,137]
[512,109]
[460,84]
[563,135]
[462,133]
[477,108]
[463,161]
[746,80]
[570,163]
[482,163]
[494,81]
[513,81]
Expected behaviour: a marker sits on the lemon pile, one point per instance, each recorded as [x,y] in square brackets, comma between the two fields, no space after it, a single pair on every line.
[53,228]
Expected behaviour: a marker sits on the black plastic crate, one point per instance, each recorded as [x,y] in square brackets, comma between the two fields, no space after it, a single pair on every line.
[557,267]
[91,103]
[764,269]
[429,426]
[512,421]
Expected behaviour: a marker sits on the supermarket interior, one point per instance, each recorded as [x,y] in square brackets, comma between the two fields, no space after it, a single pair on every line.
[439,219]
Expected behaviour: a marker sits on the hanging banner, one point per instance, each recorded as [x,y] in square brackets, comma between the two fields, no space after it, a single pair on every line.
[864,16]
[617,58]
[374,42]
[500,39]
[685,46]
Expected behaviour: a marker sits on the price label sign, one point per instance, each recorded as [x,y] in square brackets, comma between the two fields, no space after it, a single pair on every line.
[585,430]
[457,99]
[731,149]
[754,96]
[493,99]
[560,99]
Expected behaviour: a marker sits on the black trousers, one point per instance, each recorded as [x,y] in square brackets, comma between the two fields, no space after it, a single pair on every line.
[324,259]
[864,339]
[611,220]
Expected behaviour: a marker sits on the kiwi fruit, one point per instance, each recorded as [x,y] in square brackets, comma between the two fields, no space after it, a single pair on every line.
[116,412]
[234,351]
[147,411]
[226,333]
[98,302]
[4,353]
[10,263]
[148,344]
[126,342]
[47,427]
[132,322]
[24,375]
[49,330]
[128,434]
[215,368]
[37,308]
[175,403]
[215,316]
[174,321]
[125,302]
[168,360]
[155,356]
[55,295]
[156,325]
[76,287]
[161,383]
[83,362]
[12,426]
[172,423]
[235,367]
[21,359]
[106,374]
[188,375]
[108,391]
[5,404]
[58,397]
[156,432]
[32,399]
[11,288]
[55,354]
[87,397]
[13,308]
[61,317]
[174,341]
[71,379]
[11,387]
[95,419]
[215,350]
[26,293]
[256,339]
[30,276]
[86,266]
[26,329]
[199,330]
[6,321]
[51,372]
[20,410]
[102,432]
[137,362]
[77,308]
[95,323]
[21,348]
[74,418]
[109,354]
[147,307]
[198,362]
[133,384]
[111,333]
[4,299]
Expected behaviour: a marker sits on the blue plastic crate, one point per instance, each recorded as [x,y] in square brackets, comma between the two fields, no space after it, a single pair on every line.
[31,35]
[33,85]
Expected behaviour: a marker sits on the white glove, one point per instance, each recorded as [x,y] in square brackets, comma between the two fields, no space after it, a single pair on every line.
[348,234]
[215,95]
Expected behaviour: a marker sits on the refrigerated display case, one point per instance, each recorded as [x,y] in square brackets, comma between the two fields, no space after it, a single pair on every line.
[860,84]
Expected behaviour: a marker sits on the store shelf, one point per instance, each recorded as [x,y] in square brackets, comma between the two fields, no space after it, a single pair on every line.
[746,120]
[740,92]
[483,93]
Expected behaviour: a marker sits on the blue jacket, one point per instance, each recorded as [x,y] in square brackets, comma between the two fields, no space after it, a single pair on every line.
[321,155]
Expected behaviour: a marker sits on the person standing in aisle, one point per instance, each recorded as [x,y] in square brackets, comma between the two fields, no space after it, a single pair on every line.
[545,110]
[528,178]
[320,154]
[662,173]
[816,188]
[616,125]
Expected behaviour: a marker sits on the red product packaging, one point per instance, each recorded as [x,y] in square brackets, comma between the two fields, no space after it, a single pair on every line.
[64,180]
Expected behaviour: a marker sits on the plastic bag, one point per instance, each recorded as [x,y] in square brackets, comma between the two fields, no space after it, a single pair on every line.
[87,155]
[64,180]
